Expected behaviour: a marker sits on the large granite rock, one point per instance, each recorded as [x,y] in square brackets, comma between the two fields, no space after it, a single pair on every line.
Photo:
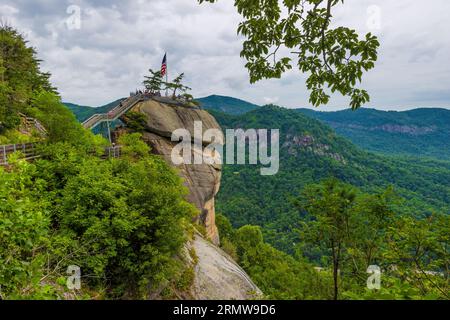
[218,276]
[202,180]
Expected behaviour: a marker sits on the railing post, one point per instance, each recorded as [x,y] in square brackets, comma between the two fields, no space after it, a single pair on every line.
[5,159]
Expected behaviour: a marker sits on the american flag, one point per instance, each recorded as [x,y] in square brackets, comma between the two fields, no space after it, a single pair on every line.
[164,66]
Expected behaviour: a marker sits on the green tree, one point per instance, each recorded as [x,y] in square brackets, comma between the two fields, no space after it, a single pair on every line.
[122,219]
[24,231]
[419,254]
[135,121]
[371,217]
[60,122]
[154,81]
[190,98]
[248,238]
[334,58]
[330,207]
[177,85]
[20,77]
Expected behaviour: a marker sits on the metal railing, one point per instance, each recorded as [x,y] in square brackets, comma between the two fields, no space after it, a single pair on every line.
[114,113]
[32,122]
[29,152]
[112,152]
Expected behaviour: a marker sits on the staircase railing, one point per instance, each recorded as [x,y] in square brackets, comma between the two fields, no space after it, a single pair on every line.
[114,113]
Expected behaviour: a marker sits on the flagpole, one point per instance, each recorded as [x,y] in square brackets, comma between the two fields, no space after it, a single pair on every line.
[167,76]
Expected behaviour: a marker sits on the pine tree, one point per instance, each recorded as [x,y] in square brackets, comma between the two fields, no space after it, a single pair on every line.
[177,85]
[154,82]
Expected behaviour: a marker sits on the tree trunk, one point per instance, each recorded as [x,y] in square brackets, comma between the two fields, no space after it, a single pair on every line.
[336,260]
[335,279]
[335,271]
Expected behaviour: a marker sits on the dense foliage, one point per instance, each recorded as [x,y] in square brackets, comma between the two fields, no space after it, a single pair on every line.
[122,221]
[20,77]
[345,232]
[277,274]
[311,151]
[25,89]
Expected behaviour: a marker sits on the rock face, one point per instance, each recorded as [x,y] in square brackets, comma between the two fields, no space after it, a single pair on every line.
[218,277]
[296,143]
[202,180]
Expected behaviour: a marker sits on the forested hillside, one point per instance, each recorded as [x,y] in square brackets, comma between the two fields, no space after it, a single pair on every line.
[335,206]
[418,132]
[276,226]
[311,151]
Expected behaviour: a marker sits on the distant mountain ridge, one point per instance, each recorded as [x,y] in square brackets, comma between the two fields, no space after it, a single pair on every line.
[418,132]
[226,104]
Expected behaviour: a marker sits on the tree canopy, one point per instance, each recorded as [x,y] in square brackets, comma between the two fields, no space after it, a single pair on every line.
[281,34]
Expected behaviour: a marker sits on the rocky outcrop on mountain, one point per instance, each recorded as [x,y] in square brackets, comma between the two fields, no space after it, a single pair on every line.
[202,180]
[412,130]
[295,143]
[388,127]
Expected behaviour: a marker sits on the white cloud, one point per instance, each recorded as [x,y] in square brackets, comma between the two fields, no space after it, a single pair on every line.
[271,100]
[119,40]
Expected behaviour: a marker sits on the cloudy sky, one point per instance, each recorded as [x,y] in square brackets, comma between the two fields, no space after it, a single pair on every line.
[106,53]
